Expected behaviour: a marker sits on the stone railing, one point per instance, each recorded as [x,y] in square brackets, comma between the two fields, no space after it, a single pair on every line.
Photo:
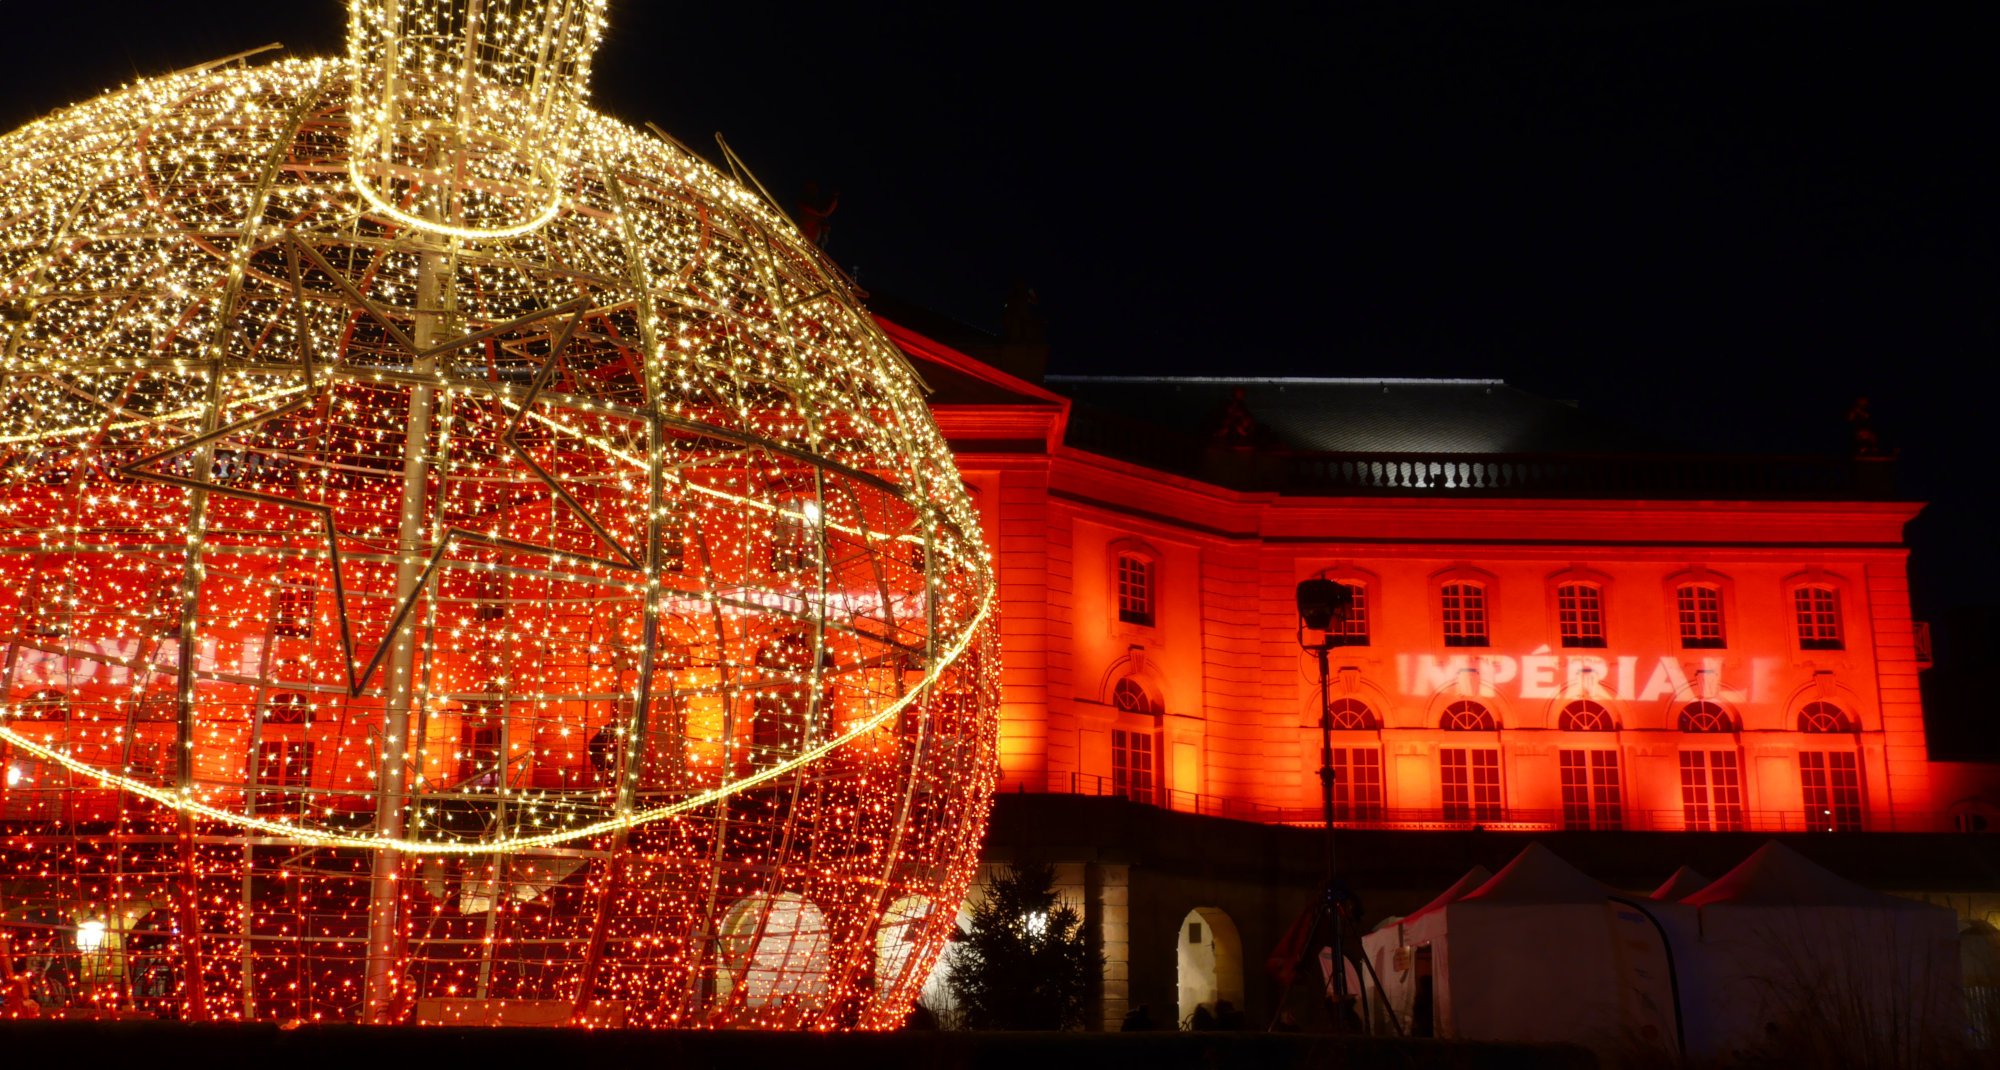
[1691,477]
[1491,819]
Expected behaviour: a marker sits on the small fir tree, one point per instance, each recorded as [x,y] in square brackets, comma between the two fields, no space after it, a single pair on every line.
[1025,963]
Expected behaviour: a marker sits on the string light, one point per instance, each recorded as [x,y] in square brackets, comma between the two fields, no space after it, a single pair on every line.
[460,555]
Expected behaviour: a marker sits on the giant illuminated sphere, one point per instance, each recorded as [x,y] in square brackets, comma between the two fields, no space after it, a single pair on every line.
[464,560]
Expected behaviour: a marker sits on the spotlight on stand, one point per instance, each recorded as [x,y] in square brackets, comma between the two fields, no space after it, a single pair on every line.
[1322,601]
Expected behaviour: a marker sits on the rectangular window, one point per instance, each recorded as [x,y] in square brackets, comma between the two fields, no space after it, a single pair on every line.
[1135,590]
[1819,618]
[1711,791]
[1357,784]
[1580,614]
[1132,765]
[1700,611]
[1471,781]
[1831,782]
[1591,797]
[292,615]
[283,763]
[479,754]
[1354,630]
[1464,606]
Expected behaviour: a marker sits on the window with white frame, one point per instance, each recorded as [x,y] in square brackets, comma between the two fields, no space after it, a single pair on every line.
[1824,717]
[1706,717]
[1584,715]
[1463,607]
[1590,790]
[1817,610]
[1352,631]
[1580,614]
[1830,782]
[1135,589]
[1130,695]
[1357,783]
[1711,791]
[284,764]
[1132,764]
[1347,714]
[1699,609]
[1468,716]
[1470,777]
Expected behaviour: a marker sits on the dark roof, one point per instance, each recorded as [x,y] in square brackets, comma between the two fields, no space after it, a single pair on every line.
[1459,437]
[930,323]
[1367,415]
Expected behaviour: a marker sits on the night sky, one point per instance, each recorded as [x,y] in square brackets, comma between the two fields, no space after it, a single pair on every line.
[1721,220]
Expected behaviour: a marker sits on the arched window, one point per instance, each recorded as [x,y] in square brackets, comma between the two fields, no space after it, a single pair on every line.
[1131,696]
[1706,717]
[1463,606]
[1584,715]
[1824,717]
[1350,714]
[287,707]
[1135,589]
[48,704]
[1818,614]
[1468,716]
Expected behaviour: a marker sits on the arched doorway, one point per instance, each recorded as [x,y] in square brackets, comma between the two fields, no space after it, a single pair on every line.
[1211,962]
[778,947]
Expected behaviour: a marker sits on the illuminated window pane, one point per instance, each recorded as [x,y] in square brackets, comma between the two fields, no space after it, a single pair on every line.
[1824,717]
[1706,717]
[1471,782]
[1831,784]
[1580,614]
[1586,716]
[1468,717]
[1591,790]
[1711,794]
[1354,630]
[292,613]
[1132,765]
[1348,714]
[283,764]
[1135,589]
[1700,611]
[1357,783]
[1131,696]
[1464,608]
[1818,618]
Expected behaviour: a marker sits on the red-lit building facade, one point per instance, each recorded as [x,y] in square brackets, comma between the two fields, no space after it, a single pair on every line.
[1559,627]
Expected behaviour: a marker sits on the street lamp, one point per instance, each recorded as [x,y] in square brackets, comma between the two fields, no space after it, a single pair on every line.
[1323,604]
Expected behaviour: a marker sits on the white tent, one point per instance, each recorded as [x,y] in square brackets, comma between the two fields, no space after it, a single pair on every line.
[1540,952]
[1684,882]
[1792,956]
[1388,951]
[1979,968]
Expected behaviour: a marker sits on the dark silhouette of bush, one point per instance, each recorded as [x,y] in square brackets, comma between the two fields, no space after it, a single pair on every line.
[1025,962]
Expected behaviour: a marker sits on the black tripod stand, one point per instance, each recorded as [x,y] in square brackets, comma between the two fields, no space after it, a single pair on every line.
[1322,603]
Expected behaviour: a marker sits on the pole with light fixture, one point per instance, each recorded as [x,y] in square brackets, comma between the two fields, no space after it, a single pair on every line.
[1322,603]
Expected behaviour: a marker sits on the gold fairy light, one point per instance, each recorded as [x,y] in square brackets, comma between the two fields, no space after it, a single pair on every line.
[472,109]
[460,553]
